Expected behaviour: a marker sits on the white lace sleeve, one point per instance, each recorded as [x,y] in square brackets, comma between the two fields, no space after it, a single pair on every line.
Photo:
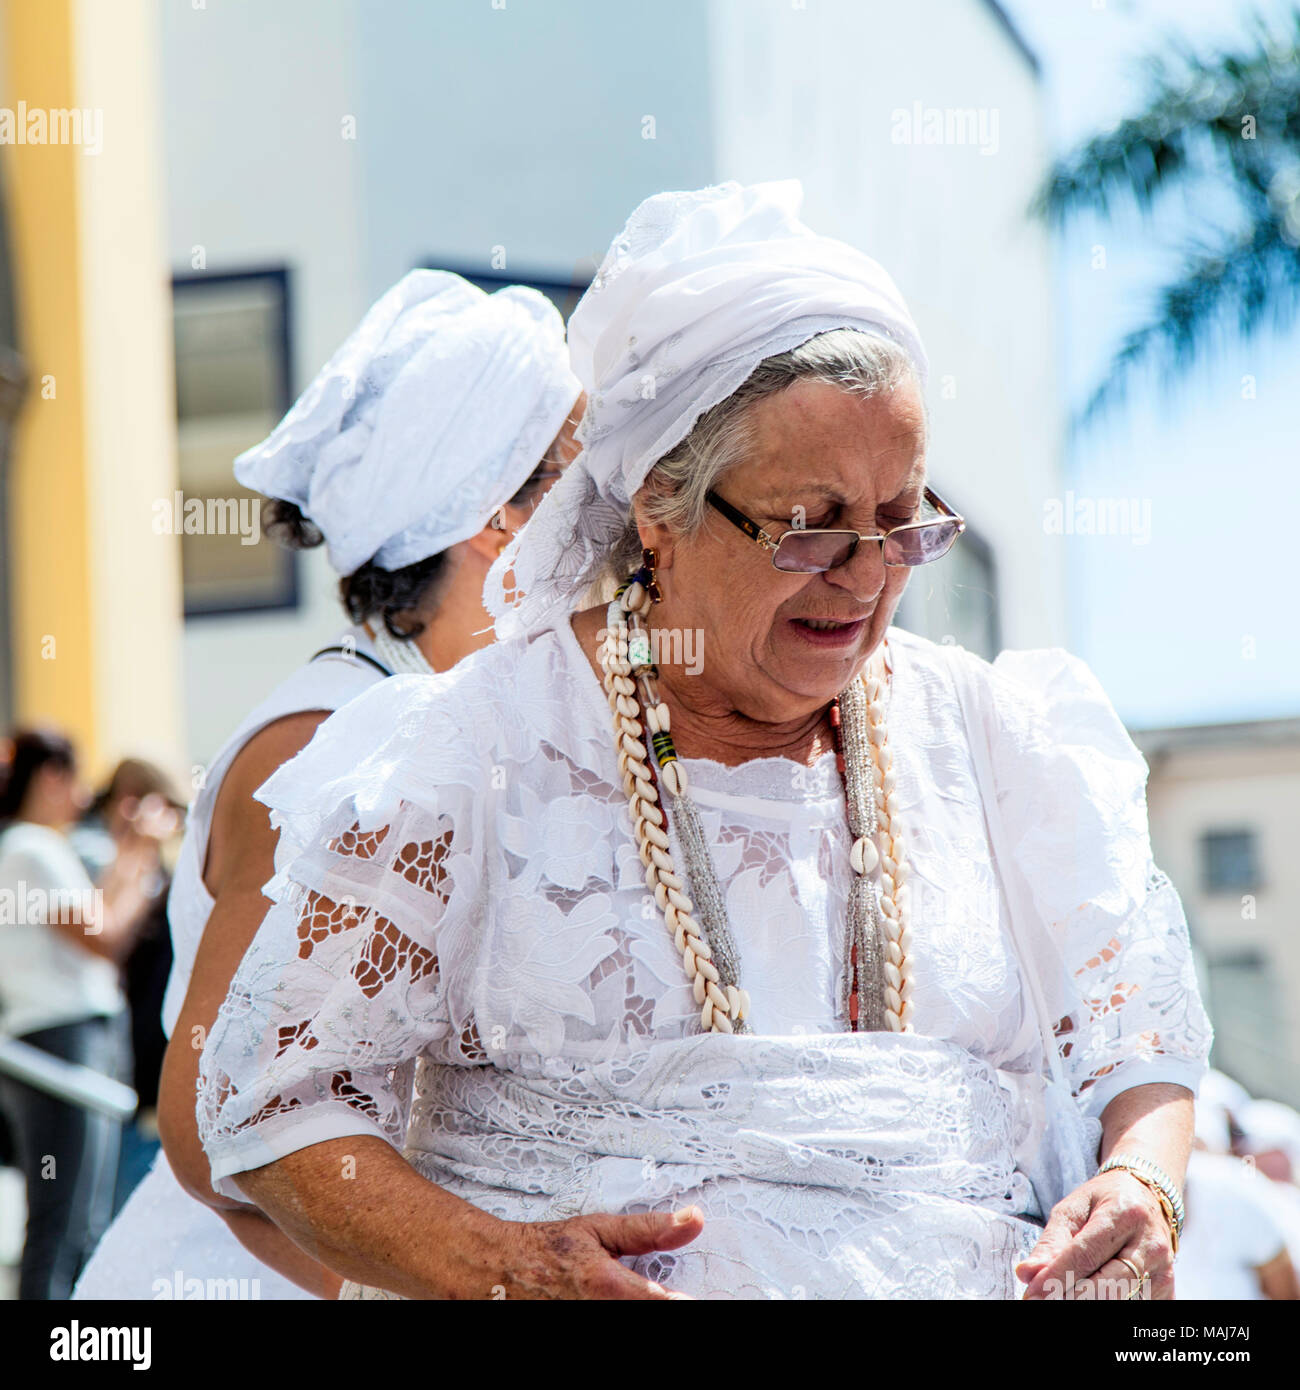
[343,986]
[1116,959]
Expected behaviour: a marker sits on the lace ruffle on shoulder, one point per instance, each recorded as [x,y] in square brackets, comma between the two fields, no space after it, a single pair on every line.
[1115,956]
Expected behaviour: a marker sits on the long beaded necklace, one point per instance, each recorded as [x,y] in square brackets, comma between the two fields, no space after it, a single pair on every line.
[399,654]
[878,948]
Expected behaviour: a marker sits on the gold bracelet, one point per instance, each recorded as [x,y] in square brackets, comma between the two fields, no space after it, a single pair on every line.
[1166,1205]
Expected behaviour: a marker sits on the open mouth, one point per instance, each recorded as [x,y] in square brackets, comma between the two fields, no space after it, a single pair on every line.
[827,632]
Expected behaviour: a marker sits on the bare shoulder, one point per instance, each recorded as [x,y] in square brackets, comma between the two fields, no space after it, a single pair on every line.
[241,840]
[271,746]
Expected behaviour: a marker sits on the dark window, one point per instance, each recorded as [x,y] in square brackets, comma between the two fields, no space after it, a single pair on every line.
[1249,1021]
[232,388]
[956,597]
[564,294]
[1228,861]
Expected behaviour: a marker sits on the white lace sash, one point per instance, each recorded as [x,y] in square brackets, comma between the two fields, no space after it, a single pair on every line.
[850,1166]
[868,1166]
[866,1113]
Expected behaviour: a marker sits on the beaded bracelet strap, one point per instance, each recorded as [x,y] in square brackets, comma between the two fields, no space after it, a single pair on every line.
[1154,1177]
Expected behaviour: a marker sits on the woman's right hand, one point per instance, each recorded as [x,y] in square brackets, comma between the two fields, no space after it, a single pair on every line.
[580,1258]
[356,1205]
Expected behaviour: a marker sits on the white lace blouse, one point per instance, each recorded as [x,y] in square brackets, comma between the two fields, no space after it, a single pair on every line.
[459,886]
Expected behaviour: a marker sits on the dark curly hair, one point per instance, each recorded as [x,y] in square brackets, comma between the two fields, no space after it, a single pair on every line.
[372,592]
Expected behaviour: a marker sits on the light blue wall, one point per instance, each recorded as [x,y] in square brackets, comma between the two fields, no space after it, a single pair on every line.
[522,127]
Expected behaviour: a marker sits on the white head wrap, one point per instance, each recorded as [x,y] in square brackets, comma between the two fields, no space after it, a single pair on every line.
[1268,1124]
[1217,1097]
[423,423]
[1211,1126]
[1217,1088]
[695,292]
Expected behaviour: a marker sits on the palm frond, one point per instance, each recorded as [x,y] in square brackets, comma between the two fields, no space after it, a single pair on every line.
[1196,119]
[1246,283]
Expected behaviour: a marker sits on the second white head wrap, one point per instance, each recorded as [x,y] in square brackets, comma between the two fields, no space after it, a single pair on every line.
[695,292]
[1269,1124]
[433,412]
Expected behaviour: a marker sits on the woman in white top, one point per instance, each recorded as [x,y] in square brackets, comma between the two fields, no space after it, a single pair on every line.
[1235,1246]
[720,893]
[62,939]
[420,446]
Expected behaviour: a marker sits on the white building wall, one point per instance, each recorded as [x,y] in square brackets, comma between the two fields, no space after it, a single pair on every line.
[1235,786]
[524,128]
[258,174]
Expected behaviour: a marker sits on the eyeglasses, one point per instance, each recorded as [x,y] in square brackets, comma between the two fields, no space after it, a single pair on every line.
[803,551]
[522,499]
[532,492]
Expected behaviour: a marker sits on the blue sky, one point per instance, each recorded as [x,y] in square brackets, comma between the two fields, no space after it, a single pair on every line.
[1200,623]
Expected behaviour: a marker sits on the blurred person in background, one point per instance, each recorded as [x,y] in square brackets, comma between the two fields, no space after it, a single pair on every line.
[1270,1134]
[1270,1139]
[1234,1244]
[1221,1097]
[414,455]
[137,786]
[62,942]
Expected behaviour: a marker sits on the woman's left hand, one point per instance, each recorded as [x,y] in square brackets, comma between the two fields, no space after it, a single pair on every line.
[1077,1256]
[151,819]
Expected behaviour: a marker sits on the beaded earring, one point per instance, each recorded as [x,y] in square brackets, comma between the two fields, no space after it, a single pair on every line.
[643,584]
[649,559]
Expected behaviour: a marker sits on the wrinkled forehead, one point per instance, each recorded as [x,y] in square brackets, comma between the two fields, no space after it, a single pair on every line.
[821,440]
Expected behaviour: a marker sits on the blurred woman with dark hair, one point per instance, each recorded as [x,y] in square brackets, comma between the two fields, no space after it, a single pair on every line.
[414,455]
[136,793]
[62,939]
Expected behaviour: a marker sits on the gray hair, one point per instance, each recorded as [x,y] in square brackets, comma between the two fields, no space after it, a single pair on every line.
[866,364]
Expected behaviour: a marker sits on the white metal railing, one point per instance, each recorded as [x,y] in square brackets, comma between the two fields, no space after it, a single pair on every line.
[69,1081]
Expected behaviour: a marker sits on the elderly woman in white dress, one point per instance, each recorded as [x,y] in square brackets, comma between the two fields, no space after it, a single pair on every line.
[717,938]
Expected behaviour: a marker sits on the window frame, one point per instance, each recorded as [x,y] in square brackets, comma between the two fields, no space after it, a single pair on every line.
[289,595]
[1224,889]
[497,280]
[915,609]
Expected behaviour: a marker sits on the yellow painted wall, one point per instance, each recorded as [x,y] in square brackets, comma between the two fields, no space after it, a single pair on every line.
[130,396]
[96,619]
[49,533]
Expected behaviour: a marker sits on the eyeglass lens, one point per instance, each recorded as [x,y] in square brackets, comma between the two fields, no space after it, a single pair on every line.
[812,552]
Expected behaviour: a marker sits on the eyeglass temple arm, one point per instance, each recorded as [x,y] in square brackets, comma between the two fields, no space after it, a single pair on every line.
[750,528]
[935,500]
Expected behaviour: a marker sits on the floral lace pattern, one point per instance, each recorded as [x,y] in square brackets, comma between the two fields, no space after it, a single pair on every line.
[471,900]
[779,1139]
